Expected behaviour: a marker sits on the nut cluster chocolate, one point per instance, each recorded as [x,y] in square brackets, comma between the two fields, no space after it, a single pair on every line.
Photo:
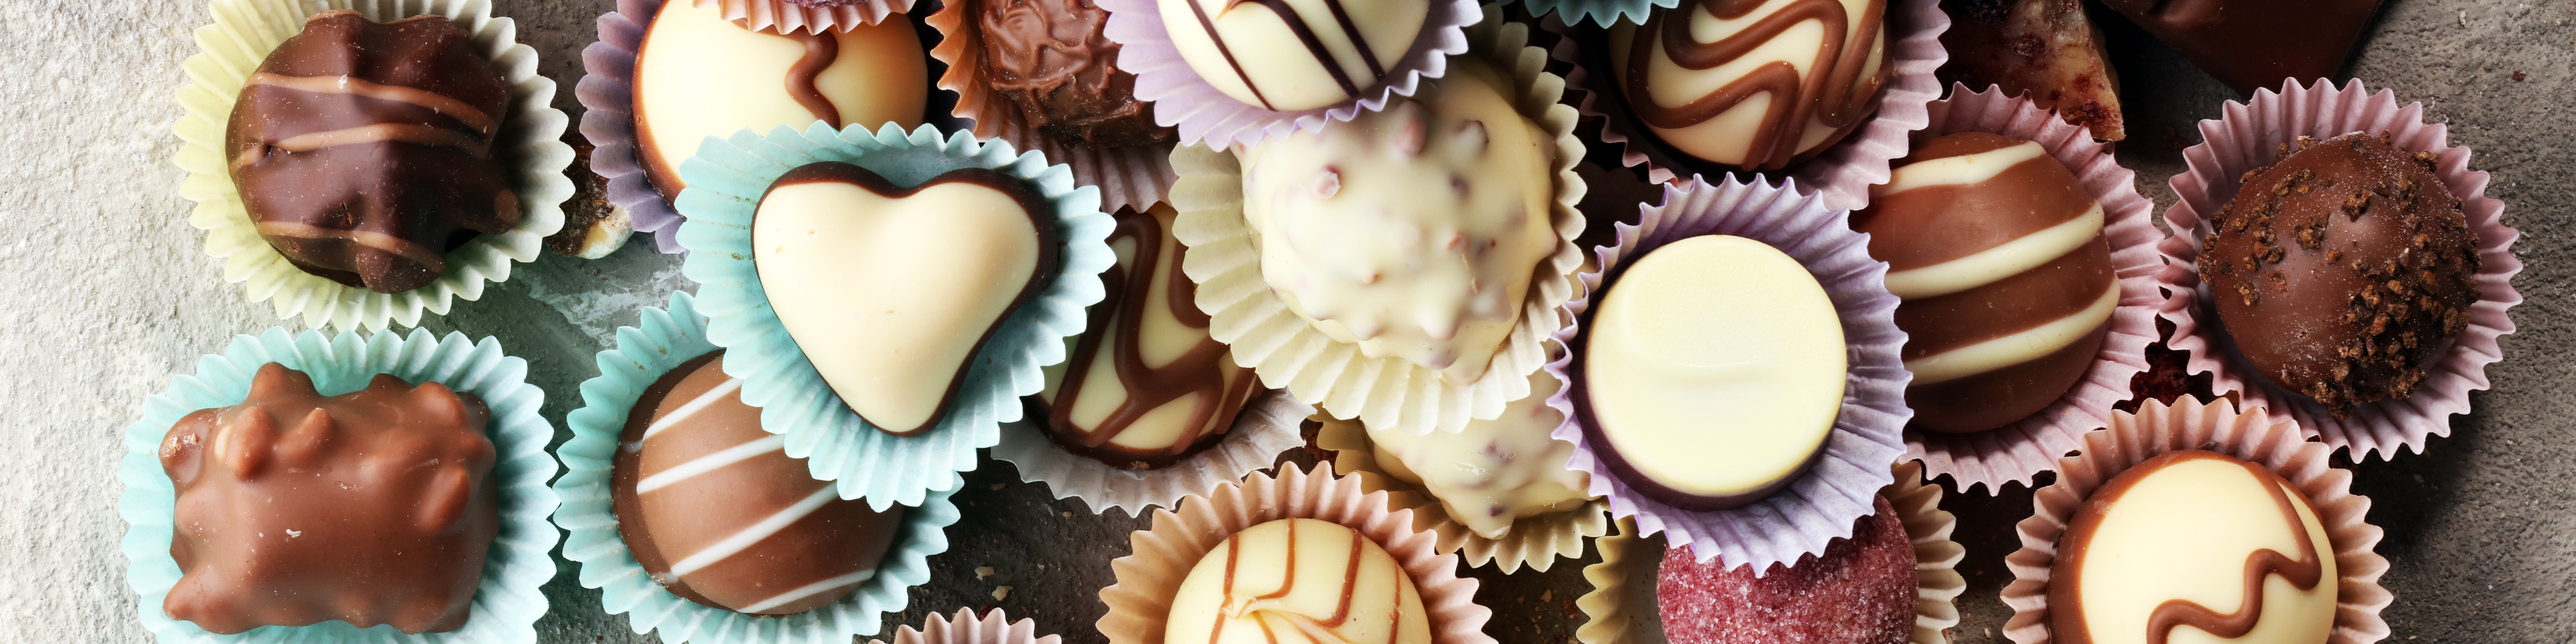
[1049,59]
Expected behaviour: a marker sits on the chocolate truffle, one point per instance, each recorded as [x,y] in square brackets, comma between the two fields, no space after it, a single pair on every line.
[891,290]
[2006,278]
[1672,348]
[1290,55]
[1860,591]
[1493,472]
[1144,384]
[2196,543]
[2342,270]
[713,507]
[699,75]
[1352,241]
[2254,44]
[370,507]
[363,150]
[1049,60]
[1303,578]
[1753,84]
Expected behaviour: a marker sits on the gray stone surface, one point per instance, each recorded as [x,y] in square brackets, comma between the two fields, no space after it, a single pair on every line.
[108,295]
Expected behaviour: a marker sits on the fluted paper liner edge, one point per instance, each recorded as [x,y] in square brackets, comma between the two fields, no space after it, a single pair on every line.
[1534,541]
[965,628]
[1271,424]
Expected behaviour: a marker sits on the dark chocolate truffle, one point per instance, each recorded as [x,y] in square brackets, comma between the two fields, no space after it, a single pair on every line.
[2343,269]
[1048,59]
[371,507]
[1860,591]
[363,150]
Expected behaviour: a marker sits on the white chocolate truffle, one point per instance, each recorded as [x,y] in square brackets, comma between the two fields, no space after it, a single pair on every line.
[1298,581]
[2186,540]
[699,75]
[1495,471]
[1290,55]
[1712,85]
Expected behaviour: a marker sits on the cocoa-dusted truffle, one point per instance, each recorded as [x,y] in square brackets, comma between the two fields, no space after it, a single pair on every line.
[1048,58]
[2342,269]
[1861,590]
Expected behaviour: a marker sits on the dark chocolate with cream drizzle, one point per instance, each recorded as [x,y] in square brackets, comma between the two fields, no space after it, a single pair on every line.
[1200,370]
[1841,99]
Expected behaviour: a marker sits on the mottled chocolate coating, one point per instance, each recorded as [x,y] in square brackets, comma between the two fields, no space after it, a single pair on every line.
[1860,591]
[371,507]
[363,150]
[1048,59]
[2343,269]
[2252,44]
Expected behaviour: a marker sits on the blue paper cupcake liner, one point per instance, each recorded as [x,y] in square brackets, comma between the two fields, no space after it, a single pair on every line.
[661,341]
[508,602]
[726,181]
[1599,12]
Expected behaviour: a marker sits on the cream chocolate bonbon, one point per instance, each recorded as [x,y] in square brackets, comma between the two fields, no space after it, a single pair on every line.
[699,75]
[1709,394]
[712,506]
[1999,255]
[2194,546]
[889,319]
[1298,578]
[1290,55]
[1753,84]
[1144,385]
[1353,241]
[1495,471]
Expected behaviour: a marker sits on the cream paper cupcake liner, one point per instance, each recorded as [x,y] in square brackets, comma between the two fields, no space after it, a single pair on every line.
[1133,177]
[2015,453]
[1536,541]
[1225,261]
[231,49]
[1268,425]
[787,17]
[2158,429]
[965,628]
[1184,100]
[1621,609]
[1164,554]
[2248,136]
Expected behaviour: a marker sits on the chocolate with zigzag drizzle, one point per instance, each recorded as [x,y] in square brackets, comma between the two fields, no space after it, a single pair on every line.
[1754,84]
[1275,55]
[699,75]
[1145,385]
[2193,540]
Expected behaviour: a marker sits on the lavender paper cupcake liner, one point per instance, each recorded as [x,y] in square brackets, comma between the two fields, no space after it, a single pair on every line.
[788,17]
[1131,177]
[1207,116]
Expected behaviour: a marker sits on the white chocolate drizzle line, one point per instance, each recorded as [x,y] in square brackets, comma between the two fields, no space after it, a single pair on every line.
[701,402]
[473,119]
[710,462]
[2024,346]
[810,590]
[1959,170]
[2004,260]
[408,249]
[751,535]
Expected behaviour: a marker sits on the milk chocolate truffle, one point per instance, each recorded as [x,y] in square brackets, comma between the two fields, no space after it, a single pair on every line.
[1493,472]
[699,75]
[1860,591]
[713,507]
[363,150]
[1144,384]
[2193,546]
[2006,277]
[1301,579]
[1353,242]
[2343,269]
[1048,58]
[891,290]
[1753,84]
[1289,55]
[370,507]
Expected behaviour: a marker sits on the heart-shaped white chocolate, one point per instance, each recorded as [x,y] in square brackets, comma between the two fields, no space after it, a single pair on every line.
[890,291]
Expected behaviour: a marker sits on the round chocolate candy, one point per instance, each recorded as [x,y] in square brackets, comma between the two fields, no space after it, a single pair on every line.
[1144,385]
[2194,546]
[1860,590]
[1049,60]
[699,75]
[1290,56]
[1753,84]
[1317,580]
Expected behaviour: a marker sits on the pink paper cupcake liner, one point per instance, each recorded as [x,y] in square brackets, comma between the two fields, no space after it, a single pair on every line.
[2248,136]
[1868,436]
[790,18]
[965,628]
[1205,115]
[1135,177]
[2014,453]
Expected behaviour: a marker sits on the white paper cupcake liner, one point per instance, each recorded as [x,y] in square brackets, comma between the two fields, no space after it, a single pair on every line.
[506,604]
[1132,177]
[1267,426]
[530,140]
[1206,115]
[1597,12]
[965,628]
[787,17]
[726,180]
[2248,136]
[1535,541]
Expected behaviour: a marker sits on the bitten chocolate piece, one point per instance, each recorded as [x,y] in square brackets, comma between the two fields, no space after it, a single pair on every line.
[363,150]
[2253,44]
[1145,385]
[1860,591]
[1047,58]
[2046,49]
[2343,269]
[2194,546]
[371,507]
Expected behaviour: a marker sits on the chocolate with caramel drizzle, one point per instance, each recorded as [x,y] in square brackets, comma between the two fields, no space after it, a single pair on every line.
[1841,100]
[1117,333]
[2303,569]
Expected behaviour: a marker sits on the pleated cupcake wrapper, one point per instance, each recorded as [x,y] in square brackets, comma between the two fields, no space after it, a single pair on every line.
[726,180]
[787,17]
[1822,502]
[231,49]
[1597,12]
[1206,115]
[965,628]
[1536,541]
[1843,172]
[661,341]
[1163,555]
[1622,608]
[2248,136]
[1134,177]
[508,601]
[2014,453]
[1270,424]
[1288,353]
[2158,429]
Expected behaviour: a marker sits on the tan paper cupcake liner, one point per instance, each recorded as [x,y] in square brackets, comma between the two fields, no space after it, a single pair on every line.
[965,628]
[1271,424]
[1621,608]
[1225,261]
[2014,453]
[1535,541]
[1163,555]
[788,17]
[2187,425]
[1135,177]
[231,49]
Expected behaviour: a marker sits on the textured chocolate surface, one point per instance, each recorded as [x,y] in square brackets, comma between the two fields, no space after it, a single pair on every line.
[1860,591]
[372,507]
[364,151]
[1048,58]
[2254,44]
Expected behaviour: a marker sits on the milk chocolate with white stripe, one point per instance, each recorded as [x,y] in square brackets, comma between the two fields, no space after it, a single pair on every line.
[713,507]
[363,150]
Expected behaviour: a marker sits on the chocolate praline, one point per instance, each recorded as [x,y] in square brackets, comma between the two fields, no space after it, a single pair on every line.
[2199,544]
[1050,61]
[1860,590]
[1783,79]
[1145,385]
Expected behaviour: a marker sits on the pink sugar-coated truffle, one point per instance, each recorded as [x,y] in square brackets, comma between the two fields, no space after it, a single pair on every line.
[1861,591]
